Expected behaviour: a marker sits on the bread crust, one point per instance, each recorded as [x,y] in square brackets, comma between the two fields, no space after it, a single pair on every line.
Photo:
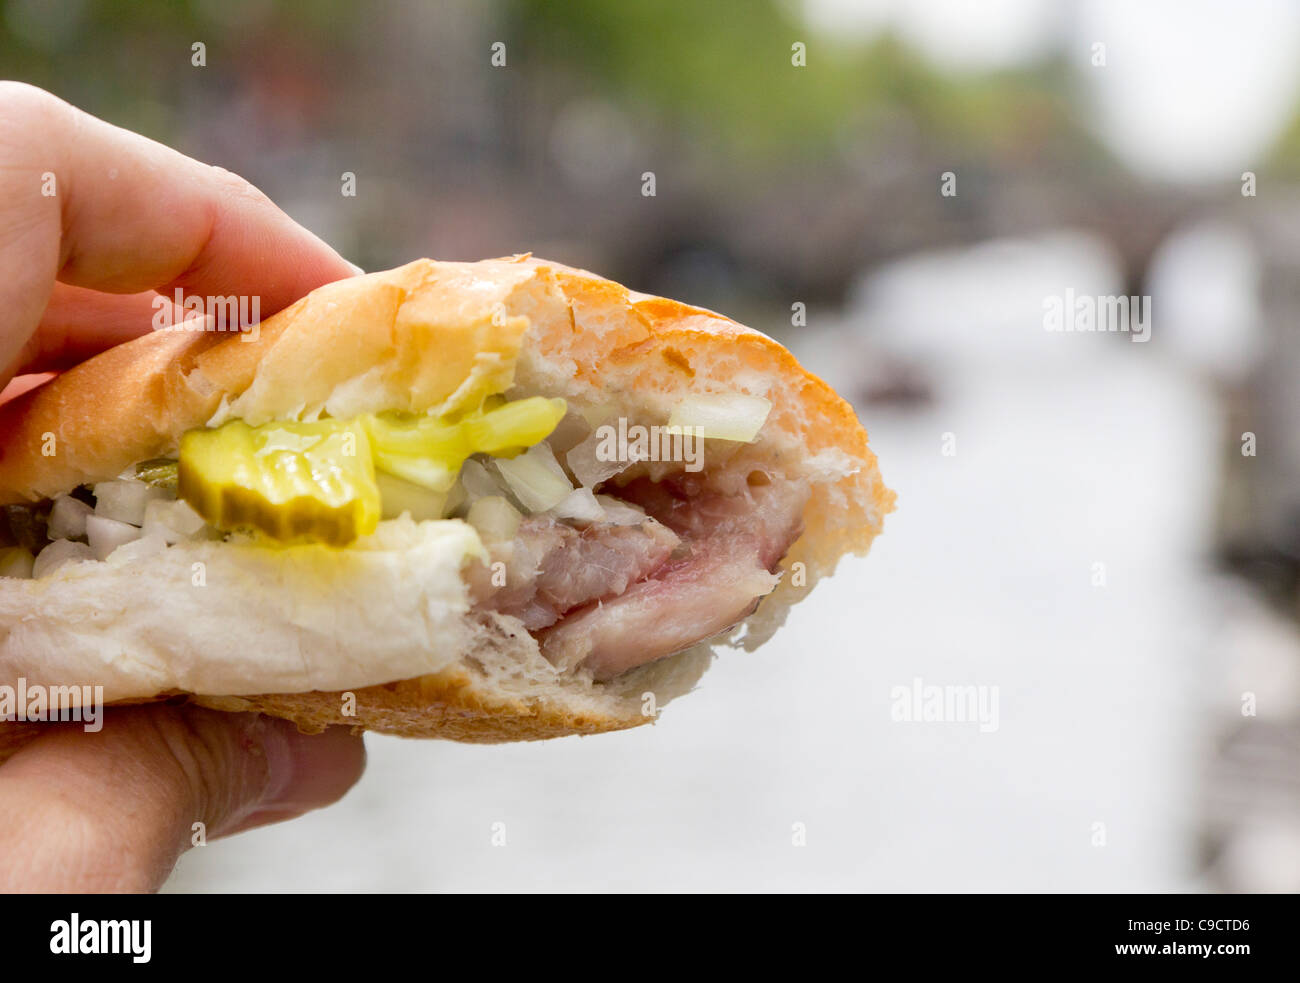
[135,401]
[446,707]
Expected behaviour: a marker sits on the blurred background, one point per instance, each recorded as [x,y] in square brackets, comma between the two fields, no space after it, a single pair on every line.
[1106,530]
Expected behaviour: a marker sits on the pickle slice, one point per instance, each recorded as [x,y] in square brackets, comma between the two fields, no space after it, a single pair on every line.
[158,472]
[514,426]
[293,481]
[316,481]
[429,451]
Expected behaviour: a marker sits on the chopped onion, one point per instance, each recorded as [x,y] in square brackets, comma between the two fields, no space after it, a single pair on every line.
[136,549]
[587,466]
[477,482]
[596,415]
[173,522]
[124,500]
[496,519]
[569,432]
[68,518]
[16,561]
[621,513]
[535,478]
[399,495]
[579,505]
[456,499]
[106,535]
[723,416]
[59,553]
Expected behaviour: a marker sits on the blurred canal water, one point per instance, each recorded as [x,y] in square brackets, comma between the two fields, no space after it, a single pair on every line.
[1061,555]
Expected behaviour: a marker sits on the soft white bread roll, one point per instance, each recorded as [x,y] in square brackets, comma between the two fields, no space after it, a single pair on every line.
[288,632]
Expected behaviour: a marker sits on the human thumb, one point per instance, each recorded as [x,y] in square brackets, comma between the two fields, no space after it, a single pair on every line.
[114,810]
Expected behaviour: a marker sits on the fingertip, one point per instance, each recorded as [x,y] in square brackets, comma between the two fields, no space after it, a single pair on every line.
[307,771]
[23,383]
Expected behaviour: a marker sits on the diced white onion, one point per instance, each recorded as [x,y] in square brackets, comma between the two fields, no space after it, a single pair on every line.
[586,465]
[106,535]
[572,429]
[59,553]
[124,500]
[173,522]
[579,505]
[495,519]
[456,499]
[477,482]
[399,495]
[599,414]
[136,549]
[535,478]
[723,416]
[16,561]
[68,518]
[619,512]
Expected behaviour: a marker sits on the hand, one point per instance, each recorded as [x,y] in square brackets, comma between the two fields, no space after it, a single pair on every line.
[80,269]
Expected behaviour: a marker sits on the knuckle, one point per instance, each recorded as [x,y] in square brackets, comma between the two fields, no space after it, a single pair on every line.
[211,767]
[237,187]
[23,103]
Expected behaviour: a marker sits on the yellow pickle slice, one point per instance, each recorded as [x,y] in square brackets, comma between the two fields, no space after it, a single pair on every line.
[295,482]
[315,482]
[429,451]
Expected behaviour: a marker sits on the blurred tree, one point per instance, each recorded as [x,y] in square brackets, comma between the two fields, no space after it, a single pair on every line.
[724,66]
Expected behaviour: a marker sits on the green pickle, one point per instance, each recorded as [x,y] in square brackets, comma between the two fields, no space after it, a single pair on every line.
[159,472]
[296,482]
[315,482]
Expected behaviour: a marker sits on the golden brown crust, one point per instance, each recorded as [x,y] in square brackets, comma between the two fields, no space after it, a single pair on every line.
[447,706]
[134,402]
[119,406]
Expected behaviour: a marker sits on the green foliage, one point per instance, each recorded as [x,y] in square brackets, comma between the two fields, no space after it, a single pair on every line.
[724,66]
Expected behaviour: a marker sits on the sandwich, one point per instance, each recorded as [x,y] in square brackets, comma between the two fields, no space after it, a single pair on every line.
[493,501]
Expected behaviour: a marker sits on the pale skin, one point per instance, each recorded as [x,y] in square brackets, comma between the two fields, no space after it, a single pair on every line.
[79,271]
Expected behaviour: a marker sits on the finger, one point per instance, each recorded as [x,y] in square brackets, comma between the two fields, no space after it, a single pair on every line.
[99,207]
[78,323]
[113,810]
[23,383]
